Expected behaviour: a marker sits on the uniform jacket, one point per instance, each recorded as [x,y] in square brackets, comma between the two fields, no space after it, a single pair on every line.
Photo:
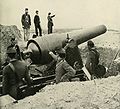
[73,55]
[36,20]
[13,79]
[92,60]
[63,71]
[26,21]
[50,21]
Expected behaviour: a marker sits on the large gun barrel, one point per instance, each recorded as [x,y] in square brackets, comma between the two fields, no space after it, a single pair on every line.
[40,46]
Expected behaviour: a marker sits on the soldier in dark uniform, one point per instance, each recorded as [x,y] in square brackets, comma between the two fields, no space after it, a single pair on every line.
[26,23]
[14,44]
[64,72]
[37,24]
[73,55]
[92,59]
[14,75]
[50,23]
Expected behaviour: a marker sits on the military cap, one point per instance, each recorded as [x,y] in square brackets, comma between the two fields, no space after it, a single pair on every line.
[90,43]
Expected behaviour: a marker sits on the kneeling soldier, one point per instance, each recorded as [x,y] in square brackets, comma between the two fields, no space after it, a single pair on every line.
[64,72]
[14,75]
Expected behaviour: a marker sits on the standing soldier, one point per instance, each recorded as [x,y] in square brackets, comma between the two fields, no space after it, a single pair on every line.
[37,24]
[73,55]
[64,72]
[26,23]
[14,75]
[92,59]
[50,23]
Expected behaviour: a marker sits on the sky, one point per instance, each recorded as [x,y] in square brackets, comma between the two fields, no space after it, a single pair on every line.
[69,13]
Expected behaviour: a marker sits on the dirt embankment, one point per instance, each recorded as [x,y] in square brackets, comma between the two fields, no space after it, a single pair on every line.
[7,32]
[96,94]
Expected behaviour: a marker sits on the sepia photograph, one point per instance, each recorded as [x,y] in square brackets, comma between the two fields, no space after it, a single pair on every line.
[60,54]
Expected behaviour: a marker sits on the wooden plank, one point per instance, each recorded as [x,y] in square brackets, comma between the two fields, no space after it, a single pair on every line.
[86,72]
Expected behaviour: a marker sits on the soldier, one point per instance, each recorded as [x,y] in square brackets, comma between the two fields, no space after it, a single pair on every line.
[37,24]
[15,74]
[26,23]
[14,44]
[50,23]
[64,72]
[92,59]
[73,55]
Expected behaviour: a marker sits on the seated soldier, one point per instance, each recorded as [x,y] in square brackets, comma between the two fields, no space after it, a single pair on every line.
[92,59]
[64,72]
[14,75]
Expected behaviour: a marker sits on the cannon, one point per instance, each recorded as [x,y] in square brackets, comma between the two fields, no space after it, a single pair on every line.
[41,46]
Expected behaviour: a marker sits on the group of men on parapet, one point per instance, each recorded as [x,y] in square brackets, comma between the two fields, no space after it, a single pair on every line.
[26,23]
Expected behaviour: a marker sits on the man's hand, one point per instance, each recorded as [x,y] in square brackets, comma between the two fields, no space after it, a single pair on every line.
[50,52]
[67,45]
[53,55]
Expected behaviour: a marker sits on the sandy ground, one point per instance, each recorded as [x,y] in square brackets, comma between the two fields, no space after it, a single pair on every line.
[95,94]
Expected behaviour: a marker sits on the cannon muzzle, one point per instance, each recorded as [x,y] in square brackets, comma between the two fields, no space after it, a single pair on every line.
[41,46]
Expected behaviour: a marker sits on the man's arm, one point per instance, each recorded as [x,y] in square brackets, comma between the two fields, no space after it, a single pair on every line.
[80,58]
[5,81]
[22,20]
[53,55]
[34,19]
[27,77]
[66,46]
[39,19]
[52,16]
[93,62]
[70,71]
[29,20]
